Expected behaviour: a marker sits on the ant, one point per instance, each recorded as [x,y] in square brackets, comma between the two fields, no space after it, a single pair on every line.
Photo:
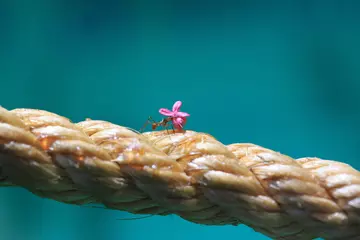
[165,122]
[177,118]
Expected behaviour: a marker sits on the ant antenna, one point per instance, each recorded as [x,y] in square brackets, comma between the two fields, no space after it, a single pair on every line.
[149,120]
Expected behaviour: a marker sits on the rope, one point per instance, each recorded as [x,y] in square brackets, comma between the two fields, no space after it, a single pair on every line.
[187,173]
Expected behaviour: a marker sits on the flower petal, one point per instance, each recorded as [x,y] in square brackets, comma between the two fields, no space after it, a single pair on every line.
[166,112]
[182,114]
[177,106]
[178,126]
[179,122]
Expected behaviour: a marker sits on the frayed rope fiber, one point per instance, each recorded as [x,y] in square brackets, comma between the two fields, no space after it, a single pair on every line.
[186,173]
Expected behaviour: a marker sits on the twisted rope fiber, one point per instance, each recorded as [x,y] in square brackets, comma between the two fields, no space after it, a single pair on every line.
[189,174]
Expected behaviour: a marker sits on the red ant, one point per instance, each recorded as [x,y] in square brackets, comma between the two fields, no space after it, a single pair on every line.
[177,118]
[165,122]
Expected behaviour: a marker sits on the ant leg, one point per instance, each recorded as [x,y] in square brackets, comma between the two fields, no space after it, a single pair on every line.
[166,127]
[149,120]
[144,126]
[167,130]
[172,127]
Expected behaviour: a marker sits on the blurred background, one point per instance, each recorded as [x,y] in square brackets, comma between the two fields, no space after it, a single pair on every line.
[280,74]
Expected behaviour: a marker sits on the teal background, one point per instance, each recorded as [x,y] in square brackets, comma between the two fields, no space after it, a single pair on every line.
[281,74]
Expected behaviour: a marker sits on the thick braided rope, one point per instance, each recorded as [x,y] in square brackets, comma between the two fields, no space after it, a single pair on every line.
[188,173]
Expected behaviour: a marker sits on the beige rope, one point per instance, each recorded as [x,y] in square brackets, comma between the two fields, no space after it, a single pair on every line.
[188,173]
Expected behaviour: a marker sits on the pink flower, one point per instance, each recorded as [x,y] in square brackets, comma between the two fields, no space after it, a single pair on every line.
[178,118]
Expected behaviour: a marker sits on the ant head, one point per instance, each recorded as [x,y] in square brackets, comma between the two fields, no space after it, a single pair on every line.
[153,126]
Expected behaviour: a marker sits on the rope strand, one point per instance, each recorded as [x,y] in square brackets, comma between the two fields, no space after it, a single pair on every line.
[189,174]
